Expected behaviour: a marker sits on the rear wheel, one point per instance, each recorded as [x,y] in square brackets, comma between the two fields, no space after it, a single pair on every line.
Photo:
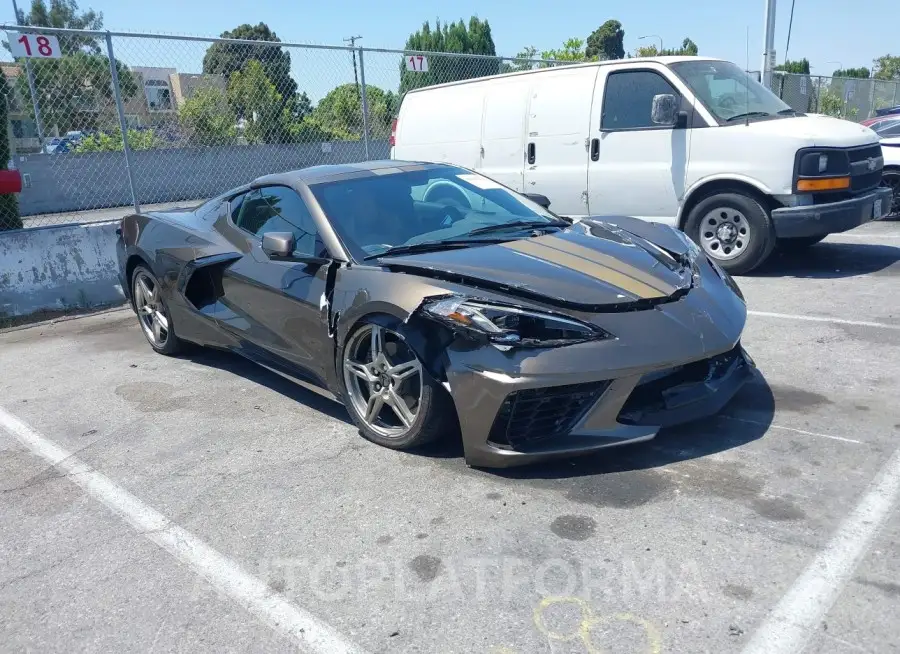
[732,228]
[392,400]
[152,312]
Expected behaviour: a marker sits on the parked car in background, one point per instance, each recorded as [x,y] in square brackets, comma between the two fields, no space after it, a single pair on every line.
[890,147]
[690,142]
[888,111]
[877,122]
[530,335]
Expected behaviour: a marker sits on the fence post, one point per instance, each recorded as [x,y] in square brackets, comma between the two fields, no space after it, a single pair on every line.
[365,102]
[123,124]
[894,100]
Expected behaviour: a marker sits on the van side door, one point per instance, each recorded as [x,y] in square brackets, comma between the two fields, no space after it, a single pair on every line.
[503,130]
[636,168]
[557,127]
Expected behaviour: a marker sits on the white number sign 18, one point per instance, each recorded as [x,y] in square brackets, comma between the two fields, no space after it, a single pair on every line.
[417,63]
[35,46]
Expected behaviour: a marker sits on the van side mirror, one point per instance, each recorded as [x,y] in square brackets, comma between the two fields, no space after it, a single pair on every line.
[664,109]
[278,244]
[537,198]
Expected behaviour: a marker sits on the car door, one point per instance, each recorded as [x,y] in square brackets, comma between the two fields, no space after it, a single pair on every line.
[280,300]
[557,125]
[637,168]
[503,131]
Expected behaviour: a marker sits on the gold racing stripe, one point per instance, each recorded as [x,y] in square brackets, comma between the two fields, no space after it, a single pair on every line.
[591,268]
[609,261]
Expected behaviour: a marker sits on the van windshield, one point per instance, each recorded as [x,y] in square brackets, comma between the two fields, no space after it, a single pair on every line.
[729,93]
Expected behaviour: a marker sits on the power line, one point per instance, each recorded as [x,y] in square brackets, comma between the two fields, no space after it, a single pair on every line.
[790,25]
[352,41]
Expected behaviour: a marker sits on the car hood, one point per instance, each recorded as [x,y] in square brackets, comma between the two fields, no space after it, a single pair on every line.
[817,129]
[592,265]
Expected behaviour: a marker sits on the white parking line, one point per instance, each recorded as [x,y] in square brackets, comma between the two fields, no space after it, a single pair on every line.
[793,429]
[837,321]
[307,631]
[797,616]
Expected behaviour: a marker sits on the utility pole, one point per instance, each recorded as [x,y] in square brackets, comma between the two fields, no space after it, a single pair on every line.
[352,41]
[31,88]
[768,60]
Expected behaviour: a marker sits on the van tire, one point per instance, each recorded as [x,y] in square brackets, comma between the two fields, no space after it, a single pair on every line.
[734,229]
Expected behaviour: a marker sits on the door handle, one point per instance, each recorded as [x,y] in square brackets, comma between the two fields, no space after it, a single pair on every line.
[530,154]
[595,149]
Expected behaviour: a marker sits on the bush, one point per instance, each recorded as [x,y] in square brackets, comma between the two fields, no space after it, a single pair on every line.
[112,141]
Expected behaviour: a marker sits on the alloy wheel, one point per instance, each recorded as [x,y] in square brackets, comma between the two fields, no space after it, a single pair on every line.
[150,310]
[724,233]
[383,379]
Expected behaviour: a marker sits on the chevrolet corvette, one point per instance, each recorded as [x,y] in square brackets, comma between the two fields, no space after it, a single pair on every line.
[433,301]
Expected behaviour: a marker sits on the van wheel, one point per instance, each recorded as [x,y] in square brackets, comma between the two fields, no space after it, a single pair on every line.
[734,229]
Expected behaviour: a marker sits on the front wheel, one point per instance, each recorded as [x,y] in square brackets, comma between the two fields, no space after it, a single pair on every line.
[390,397]
[734,229]
[152,312]
[891,179]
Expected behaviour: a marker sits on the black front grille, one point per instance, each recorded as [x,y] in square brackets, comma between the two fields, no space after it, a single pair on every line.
[866,181]
[536,414]
[648,395]
[864,152]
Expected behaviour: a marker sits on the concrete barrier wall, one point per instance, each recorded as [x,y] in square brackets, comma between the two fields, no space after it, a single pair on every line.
[58,268]
[77,182]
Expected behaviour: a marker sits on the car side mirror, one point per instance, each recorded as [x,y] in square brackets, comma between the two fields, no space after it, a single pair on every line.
[664,109]
[537,198]
[278,244]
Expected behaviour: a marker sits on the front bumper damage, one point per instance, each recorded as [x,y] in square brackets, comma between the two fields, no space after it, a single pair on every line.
[674,364]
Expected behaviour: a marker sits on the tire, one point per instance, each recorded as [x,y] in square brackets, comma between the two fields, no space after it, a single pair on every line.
[799,244]
[152,311]
[432,411]
[891,179]
[749,236]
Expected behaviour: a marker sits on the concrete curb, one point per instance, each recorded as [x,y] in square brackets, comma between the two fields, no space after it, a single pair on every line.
[58,268]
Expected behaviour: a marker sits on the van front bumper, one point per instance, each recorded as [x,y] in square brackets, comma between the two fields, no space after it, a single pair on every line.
[823,219]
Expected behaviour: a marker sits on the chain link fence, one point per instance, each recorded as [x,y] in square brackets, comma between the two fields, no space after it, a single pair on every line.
[114,120]
[842,97]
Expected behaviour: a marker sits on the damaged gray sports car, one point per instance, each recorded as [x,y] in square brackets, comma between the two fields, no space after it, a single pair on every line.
[433,301]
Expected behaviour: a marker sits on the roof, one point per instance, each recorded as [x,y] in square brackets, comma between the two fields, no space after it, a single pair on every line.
[665,61]
[335,172]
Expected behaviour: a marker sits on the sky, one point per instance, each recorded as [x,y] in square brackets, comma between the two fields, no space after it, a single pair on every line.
[830,33]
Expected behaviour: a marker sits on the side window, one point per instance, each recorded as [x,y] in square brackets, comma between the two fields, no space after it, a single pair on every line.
[628,99]
[234,206]
[280,209]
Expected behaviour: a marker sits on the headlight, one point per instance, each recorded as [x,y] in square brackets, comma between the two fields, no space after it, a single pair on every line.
[818,163]
[511,326]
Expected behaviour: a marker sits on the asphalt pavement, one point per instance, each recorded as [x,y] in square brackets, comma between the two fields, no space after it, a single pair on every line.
[204,504]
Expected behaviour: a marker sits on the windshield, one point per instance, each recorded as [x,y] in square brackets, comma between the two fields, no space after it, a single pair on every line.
[440,203]
[729,92]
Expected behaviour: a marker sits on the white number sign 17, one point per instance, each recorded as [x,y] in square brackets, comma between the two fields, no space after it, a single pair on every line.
[417,63]
[35,46]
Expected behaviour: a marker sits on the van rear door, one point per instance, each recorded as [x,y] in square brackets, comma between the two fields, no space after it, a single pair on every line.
[556,154]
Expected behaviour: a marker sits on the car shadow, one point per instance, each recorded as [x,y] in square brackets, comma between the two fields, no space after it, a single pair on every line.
[745,419]
[832,261]
[237,365]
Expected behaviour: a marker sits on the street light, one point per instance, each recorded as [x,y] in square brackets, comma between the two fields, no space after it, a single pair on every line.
[653,36]
[840,65]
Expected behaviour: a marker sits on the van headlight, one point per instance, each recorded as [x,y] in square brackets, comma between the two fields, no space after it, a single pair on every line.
[509,325]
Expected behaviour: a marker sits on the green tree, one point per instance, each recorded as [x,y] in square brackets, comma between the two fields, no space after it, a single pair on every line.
[688,49]
[207,118]
[224,58]
[9,204]
[339,114]
[528,52]
[253,97]
[857,73]
[606,42]
[474,38]
[887,67]
[65,14]
[799,67]
[571,50]
[75,91]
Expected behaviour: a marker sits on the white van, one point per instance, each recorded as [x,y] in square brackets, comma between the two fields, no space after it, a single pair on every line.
[687,141]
